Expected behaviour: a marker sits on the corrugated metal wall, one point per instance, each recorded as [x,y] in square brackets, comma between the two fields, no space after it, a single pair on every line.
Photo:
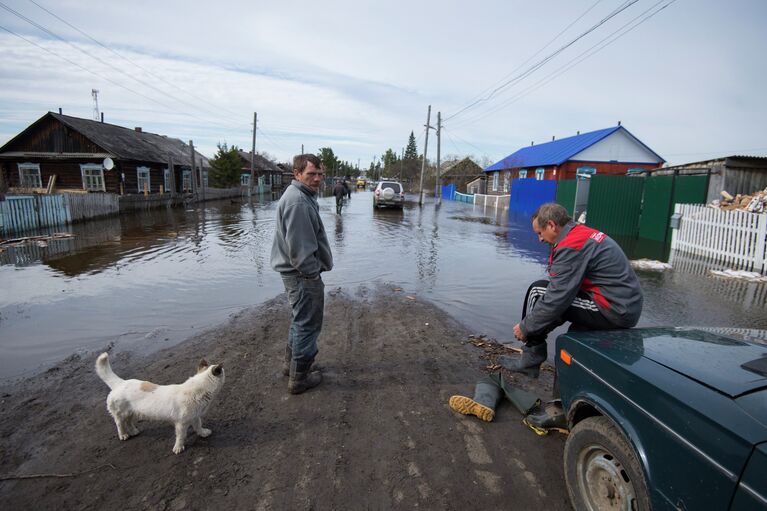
[566,194]
[615,204]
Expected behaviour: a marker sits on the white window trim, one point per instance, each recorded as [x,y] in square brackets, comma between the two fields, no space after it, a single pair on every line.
[139,184]
[166,179]
[522,173]
[186,179]
[540,173]
[30,166]
[93,166]
[495,181]
[506,181]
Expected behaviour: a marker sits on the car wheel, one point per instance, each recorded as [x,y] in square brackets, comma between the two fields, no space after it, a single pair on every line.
[601,469]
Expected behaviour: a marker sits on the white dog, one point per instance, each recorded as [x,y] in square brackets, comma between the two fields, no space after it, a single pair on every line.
[183,404]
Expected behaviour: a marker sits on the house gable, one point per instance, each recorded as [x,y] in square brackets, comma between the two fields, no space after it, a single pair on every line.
[620,146]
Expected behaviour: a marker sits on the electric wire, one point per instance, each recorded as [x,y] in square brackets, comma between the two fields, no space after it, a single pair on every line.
[603,43]
[543,61]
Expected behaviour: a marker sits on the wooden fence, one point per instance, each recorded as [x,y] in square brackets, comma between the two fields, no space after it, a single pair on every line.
[82,206]
[734,238]
[19,213]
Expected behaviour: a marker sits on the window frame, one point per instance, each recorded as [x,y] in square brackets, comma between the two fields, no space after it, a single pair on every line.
[496,179]
[24,167]
[140,179]
[186,180]
[100,185]
[522,173]
[540,173]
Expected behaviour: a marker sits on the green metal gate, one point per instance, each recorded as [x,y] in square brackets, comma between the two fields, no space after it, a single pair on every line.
[566,194]
[615,204]
[656,207]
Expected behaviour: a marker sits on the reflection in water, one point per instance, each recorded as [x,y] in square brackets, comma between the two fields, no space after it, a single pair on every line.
[164,274]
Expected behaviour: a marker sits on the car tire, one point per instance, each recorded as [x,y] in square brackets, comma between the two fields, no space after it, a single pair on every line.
[601,469]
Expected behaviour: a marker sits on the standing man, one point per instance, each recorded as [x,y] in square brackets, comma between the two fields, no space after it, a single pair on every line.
[591,284]
[300,253]
[339,191]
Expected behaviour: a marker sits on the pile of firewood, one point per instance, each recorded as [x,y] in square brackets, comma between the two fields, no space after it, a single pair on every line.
[755,202]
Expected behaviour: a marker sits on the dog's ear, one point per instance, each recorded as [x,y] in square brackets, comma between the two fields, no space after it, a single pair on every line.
[202,365]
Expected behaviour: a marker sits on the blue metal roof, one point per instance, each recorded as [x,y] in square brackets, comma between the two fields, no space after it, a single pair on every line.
[555,152]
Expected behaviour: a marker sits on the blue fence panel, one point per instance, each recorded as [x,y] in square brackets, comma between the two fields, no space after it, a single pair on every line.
[528,194]
[448,192]
[20,213]
[464,197]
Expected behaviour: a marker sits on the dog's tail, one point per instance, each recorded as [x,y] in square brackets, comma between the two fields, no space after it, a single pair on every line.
[104,370]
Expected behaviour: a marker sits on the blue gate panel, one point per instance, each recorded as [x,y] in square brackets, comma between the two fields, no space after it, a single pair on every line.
[528,194]
[448,191]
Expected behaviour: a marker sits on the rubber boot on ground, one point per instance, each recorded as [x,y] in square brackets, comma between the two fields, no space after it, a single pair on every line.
[522,400]
[528,363]
[301,378]
[550,418]
[487,393]
[288,359]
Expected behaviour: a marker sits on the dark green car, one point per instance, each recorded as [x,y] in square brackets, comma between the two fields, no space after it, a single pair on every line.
[664,418]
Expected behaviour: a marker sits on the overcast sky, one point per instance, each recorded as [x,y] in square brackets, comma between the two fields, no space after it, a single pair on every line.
[689,81]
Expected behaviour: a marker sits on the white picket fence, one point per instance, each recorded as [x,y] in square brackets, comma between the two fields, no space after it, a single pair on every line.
[493,201]
[736,239]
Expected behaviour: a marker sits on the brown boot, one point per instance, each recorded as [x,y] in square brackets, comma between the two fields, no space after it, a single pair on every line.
[301,379]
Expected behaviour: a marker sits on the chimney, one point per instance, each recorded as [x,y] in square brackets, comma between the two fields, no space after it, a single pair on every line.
[553,138]
[59,110]
[578,132]
[138,128]
[102,117]
[619,123]
[532,142]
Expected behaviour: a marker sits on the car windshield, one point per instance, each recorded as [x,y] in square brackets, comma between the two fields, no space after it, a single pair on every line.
[394,186]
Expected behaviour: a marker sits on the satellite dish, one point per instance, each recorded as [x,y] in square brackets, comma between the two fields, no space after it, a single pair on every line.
[108,163]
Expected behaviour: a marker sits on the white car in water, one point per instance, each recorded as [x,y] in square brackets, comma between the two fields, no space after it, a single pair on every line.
[389,193]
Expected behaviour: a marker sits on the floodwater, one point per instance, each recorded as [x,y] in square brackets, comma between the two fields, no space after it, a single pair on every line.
[154,278]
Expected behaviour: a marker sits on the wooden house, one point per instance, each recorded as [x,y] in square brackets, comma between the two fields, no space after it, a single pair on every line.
[460,173]
[611,151]
[75,151]
[265,172]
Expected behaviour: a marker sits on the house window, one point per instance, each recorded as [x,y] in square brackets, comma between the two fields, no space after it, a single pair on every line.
[635,170]
[29,175]
[495,181]
[93,177]
[205,178]
[539,173]
[186,180]
[506,180]
[166,179]
[585,171]
[244,179]
[523,174]
[143,179]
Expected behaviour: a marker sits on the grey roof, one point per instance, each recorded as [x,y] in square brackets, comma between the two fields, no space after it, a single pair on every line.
[259,162]
[129,144]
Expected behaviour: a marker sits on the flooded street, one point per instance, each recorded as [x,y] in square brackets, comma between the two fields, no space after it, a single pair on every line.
[154,278]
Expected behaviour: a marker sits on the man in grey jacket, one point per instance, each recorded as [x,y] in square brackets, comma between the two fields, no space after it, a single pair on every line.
[591,284]
[300,253]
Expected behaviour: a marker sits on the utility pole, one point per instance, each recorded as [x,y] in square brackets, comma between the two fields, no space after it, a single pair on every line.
[401,163]
[202,179]
[425,149]
[438,192]
[191,160]
[171,177]
[302,148]
[253,155]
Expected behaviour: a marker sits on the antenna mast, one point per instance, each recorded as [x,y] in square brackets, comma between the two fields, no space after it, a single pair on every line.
[95,94]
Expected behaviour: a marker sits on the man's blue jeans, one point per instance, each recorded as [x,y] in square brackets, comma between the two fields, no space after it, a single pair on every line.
[307,299]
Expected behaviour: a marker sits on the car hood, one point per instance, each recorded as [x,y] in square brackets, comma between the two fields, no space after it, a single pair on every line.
[708,358]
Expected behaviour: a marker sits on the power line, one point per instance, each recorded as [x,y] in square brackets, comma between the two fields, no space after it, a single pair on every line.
[545,60]
[611,38]
[160,78]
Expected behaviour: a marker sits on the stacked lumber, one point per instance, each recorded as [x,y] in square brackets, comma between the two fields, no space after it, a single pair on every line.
[755,202]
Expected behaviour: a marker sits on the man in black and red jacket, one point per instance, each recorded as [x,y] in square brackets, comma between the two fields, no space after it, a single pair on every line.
[591,284]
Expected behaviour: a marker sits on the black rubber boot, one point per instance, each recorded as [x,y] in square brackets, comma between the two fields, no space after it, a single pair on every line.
[529,362]
[301,378]
[487,393]
[288,359]
[551,418]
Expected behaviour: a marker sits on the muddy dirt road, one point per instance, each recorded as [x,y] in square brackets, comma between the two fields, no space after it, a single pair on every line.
[377,434]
